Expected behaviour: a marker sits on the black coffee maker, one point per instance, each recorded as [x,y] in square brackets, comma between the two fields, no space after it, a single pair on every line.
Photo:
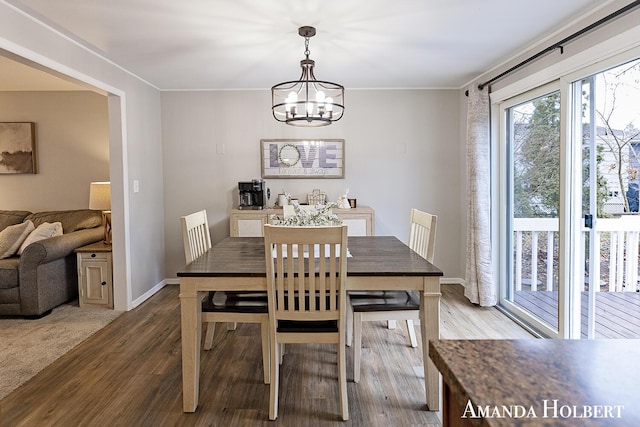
[253,194]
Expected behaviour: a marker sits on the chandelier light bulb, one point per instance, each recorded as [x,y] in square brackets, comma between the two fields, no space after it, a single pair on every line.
[290,103]
[328,104]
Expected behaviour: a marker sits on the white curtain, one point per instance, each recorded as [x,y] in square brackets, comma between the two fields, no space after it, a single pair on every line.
[479,286]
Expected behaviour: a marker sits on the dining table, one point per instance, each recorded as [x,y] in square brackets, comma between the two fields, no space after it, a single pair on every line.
[238,264]
[538,382]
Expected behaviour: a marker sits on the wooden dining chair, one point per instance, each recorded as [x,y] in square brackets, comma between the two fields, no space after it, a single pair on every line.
[393,305]
[224,306]
[306,285]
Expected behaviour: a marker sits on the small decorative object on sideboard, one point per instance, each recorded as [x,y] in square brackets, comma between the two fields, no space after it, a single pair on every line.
[343,202]
[282,200]
[316,197]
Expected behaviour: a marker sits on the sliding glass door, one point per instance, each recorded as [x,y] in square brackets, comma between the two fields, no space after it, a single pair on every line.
[608,118]
[532,187]
[569,178]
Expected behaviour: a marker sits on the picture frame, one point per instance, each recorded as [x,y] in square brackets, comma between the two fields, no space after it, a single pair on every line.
[302,158]
[17,148]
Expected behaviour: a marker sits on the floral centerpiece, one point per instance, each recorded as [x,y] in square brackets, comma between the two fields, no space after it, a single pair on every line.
[315,215]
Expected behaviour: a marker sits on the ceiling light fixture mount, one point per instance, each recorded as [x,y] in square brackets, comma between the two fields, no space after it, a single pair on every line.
[307,101]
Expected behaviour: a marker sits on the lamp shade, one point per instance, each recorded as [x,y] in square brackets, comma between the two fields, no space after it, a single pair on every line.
[100,196]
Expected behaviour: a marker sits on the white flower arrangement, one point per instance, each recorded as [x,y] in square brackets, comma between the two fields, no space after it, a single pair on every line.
[316,215]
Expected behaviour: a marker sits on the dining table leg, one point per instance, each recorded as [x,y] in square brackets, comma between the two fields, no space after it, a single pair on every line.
[430,318]
[191,325]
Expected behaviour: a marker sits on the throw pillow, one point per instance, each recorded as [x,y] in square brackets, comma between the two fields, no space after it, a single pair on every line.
[12,237]
[43,231]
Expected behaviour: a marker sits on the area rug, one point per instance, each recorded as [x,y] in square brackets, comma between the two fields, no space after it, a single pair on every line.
[29,346]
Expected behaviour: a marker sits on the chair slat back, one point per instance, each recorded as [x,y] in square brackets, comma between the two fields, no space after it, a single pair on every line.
[422,235]
[310,262]
[195,235]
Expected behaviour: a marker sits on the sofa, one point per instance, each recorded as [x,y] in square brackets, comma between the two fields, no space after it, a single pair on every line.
[42,273]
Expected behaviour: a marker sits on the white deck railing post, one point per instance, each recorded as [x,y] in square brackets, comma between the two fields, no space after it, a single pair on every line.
[518,269]
[534,260]
[614,285]
[550,250]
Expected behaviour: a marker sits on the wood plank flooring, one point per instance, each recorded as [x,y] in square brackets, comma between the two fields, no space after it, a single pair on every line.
[617,313]
[129,374]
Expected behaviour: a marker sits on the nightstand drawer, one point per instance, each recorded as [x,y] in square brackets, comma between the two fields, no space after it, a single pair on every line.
[95,256]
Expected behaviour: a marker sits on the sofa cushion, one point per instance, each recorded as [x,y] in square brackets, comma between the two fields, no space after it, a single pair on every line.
[8,218]
[9,272]
[12,237]
[72,220]
[43,231]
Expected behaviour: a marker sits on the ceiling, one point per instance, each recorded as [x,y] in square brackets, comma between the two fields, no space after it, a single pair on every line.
[254,44]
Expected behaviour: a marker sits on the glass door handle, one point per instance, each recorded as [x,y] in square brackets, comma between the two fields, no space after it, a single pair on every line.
[588,221]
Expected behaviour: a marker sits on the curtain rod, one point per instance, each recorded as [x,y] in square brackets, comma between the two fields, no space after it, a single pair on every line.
[561,43]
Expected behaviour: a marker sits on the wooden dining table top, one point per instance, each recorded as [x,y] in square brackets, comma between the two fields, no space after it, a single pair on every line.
[370,255]
[550,382]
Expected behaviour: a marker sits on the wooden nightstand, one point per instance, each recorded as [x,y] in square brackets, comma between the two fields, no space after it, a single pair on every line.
[95,277]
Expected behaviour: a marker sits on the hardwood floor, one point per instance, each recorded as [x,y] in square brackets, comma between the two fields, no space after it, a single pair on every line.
[617,314]
[129,374]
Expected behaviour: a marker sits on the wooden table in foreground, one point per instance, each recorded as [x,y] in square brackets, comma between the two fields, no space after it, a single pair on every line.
[237,263]
[539,382]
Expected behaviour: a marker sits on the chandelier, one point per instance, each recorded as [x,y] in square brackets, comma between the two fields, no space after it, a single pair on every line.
[307,101]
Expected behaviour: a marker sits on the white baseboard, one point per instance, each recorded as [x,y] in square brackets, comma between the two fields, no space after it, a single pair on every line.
[151,292]
[452,281]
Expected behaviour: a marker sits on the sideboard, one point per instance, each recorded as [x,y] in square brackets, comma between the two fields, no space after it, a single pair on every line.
[360,221]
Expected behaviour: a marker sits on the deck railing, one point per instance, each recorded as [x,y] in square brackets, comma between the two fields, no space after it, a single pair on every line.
[616,266]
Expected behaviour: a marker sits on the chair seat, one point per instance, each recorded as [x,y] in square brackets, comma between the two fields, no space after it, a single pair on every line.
[307,326]
[236,302]
[384,301]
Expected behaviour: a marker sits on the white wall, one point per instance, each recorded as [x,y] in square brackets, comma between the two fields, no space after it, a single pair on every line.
[135,150]
[72,149]
[402,151]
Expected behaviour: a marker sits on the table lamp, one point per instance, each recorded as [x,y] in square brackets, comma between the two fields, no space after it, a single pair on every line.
[100,199]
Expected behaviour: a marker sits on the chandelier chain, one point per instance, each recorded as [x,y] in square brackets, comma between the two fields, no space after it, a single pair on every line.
[306,47]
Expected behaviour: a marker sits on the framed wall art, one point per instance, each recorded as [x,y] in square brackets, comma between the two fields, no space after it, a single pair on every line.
[17,147]
[302,158]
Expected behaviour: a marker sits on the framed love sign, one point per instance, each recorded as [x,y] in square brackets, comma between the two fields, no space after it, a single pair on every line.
[302,158]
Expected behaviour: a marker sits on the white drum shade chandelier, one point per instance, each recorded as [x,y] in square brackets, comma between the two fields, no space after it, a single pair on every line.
[307,101]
